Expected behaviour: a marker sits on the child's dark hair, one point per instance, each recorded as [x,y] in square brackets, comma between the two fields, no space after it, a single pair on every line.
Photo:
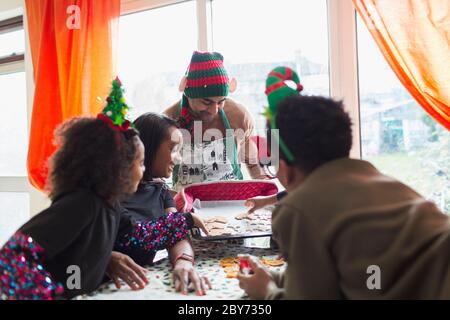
[315,129]
[92,156]
[153,129]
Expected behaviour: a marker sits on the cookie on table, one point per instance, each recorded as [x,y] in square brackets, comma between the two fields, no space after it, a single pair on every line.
[218,219]
[272,262]
[220,232]
[221,219]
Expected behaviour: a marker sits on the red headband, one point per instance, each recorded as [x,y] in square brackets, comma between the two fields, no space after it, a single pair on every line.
[124,127]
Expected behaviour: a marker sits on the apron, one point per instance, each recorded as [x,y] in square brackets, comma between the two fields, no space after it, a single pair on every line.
[209,161]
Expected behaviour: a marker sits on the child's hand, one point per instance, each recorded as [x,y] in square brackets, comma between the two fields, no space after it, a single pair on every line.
[121,266]
[199,223]
[184,273]
[257,203]
[257,284]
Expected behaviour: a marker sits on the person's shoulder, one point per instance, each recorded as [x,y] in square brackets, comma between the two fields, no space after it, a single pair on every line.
[74,208]
[238,115]
[286,215]
[291,203]
[84,201]
[234,106]
[172,111]
[149,188]
[82,195]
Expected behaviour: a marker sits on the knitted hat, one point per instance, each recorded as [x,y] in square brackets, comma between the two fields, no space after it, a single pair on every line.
[206,76]
[276,91]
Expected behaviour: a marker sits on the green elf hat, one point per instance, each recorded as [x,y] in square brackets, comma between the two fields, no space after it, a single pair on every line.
[276,91]
[206,77]
[116,109]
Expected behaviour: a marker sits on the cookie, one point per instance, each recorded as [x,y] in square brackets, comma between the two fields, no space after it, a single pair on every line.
[215,225]
[273,262]
[228,262]
[241,216]
[233,268]
[218,219]
[210,220]
[221,219]
[232,275]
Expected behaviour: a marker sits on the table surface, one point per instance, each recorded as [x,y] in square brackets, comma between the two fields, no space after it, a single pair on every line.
[208,255]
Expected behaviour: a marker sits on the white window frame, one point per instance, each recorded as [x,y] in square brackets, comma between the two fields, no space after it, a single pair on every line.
[343,53]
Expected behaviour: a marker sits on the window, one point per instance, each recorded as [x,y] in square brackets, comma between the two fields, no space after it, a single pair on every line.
[257,35]
[397,135]
[13,131]
[12,43]
[155,47]
[15,212]
[12,40]
[14,196]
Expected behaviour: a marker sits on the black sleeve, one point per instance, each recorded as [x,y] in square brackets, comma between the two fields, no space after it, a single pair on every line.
[125,224]
[58,226]
[281,195]
[167,198]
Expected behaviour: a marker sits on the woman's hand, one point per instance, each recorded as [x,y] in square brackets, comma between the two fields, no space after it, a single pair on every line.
[257,284]
[199,223]
[257,203]
[185,273]
[121,266]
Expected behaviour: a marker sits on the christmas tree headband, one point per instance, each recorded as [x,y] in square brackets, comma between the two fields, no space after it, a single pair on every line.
[276,91]
[115,111]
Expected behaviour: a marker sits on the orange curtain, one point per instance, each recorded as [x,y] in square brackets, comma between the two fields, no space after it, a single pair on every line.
[414,37]
[72,51]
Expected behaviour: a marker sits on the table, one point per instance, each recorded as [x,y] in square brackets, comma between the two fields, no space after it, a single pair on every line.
[208,255]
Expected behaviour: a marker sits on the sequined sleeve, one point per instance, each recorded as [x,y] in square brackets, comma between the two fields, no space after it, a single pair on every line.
[22,272]
[159,234]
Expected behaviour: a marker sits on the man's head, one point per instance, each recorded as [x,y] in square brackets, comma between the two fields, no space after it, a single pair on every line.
[205,109]
[206,85]
[316,130]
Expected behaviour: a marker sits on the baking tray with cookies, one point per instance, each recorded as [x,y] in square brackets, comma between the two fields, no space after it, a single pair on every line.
[222,206]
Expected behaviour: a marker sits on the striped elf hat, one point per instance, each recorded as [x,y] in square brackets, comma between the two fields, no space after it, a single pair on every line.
[276,91]
[206,76]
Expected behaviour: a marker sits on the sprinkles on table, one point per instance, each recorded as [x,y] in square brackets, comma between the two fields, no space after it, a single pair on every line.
[208,256]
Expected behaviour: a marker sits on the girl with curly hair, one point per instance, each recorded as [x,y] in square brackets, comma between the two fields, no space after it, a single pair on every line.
[96,165]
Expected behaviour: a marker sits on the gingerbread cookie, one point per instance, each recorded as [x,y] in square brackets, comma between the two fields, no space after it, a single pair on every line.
[273,262]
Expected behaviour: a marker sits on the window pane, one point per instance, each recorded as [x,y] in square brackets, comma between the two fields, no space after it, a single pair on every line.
[155,48]
[397,135]
[15,212]
[12,42]
[255,36]
[13,131]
